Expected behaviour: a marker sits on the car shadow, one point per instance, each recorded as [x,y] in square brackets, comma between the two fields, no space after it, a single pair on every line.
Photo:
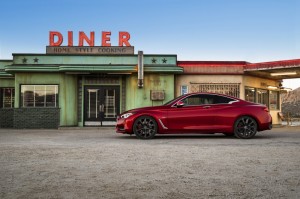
[192,136]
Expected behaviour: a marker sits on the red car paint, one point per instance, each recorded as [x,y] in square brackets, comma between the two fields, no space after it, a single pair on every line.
[186,114]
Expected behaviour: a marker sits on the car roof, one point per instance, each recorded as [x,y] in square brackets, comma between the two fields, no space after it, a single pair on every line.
[209,93]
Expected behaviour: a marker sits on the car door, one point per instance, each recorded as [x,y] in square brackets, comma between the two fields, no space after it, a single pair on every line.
[225,113]
[196,114]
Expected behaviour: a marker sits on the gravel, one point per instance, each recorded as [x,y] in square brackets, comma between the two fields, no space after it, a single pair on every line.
[98,163]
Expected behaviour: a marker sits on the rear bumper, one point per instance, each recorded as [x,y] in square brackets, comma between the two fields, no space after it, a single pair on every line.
[267,125]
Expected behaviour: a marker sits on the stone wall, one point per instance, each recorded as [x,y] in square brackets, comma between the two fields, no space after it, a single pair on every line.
[30,118]
[7,118]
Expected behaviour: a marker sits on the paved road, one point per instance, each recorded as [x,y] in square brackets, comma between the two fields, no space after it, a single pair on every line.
[98,163]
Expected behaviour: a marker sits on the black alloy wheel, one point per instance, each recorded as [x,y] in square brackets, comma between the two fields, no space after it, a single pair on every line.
[245,127]
[145,127]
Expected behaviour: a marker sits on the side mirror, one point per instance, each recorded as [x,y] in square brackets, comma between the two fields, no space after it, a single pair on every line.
[179,104]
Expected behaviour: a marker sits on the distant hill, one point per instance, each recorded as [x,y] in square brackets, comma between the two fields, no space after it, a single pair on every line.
[291,102]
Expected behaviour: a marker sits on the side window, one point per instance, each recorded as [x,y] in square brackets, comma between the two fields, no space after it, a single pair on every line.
[196,100]
[193,100]
[222,100]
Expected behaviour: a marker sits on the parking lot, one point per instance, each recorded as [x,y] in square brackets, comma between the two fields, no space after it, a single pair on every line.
[98,163]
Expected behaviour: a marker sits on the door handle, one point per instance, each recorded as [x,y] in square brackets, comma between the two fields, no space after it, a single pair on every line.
[206,107]
[101,108]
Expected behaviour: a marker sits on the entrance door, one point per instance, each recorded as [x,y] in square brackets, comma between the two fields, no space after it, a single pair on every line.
[101,105]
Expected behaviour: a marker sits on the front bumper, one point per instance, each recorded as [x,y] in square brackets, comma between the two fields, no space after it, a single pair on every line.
[124,125]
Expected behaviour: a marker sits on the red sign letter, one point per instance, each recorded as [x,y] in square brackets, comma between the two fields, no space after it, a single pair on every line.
[123,38]
[59,38]
[106,38]
[82,37]
[70,38]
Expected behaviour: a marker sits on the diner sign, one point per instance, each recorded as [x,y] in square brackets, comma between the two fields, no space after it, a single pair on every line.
[95,50]
[86,44]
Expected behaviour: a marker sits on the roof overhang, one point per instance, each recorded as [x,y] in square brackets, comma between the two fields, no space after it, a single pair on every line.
[275,70]
[91,69]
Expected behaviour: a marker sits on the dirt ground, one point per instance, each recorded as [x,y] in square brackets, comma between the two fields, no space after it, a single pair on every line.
[98,163]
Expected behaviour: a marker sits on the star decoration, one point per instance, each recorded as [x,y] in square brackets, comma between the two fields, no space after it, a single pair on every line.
[164,60]
[36,60]
[24,60]
[153,61]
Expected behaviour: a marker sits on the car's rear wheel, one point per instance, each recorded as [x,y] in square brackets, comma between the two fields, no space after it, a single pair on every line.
[145,127]
[245,127]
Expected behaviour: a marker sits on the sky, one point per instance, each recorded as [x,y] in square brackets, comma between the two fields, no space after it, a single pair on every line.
[202,30]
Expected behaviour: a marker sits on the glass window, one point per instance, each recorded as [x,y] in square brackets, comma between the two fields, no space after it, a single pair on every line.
[206,99]
[7,97]
[193,100]
[184,90]
[222,100]
[51,96]
[250,94]
[274,100]
[39,95]
[262,96]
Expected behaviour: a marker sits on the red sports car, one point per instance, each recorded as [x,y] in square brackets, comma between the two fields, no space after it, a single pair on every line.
[197,113]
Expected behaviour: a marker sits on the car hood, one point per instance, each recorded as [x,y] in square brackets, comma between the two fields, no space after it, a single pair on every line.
[148,108]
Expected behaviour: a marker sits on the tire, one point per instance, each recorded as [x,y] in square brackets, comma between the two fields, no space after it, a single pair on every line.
[245,127]
[145,127]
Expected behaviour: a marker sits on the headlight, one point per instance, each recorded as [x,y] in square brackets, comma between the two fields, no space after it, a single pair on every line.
[126,115]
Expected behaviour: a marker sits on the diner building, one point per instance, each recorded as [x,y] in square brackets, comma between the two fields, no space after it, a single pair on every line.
[62,89]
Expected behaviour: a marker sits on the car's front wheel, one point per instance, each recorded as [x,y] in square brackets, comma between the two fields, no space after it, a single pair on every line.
[245,127]
[145,127]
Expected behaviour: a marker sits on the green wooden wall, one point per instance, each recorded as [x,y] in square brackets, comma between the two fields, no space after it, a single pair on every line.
[67,92]
[140,97]
[7,82]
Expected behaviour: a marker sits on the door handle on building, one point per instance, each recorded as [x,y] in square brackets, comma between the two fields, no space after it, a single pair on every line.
[101,108]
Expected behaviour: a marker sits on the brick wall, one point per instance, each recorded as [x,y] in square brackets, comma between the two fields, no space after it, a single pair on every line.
[30,118]
[36,118]
[7,118]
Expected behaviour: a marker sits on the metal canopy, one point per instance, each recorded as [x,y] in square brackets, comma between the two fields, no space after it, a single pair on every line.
[277,70]
[90,68]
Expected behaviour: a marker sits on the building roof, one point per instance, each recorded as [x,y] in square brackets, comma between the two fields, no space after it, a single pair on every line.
[276,70]
[274,64]
[120,64]
[284,69]
[212,67]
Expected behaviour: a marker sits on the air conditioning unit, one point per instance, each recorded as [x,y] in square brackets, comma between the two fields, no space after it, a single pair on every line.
[157,95]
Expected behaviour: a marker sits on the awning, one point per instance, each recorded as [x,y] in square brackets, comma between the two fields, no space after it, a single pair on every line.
[163,69]
[285,69]
[31,68]
[92,68]
[97,68]
[5,74]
